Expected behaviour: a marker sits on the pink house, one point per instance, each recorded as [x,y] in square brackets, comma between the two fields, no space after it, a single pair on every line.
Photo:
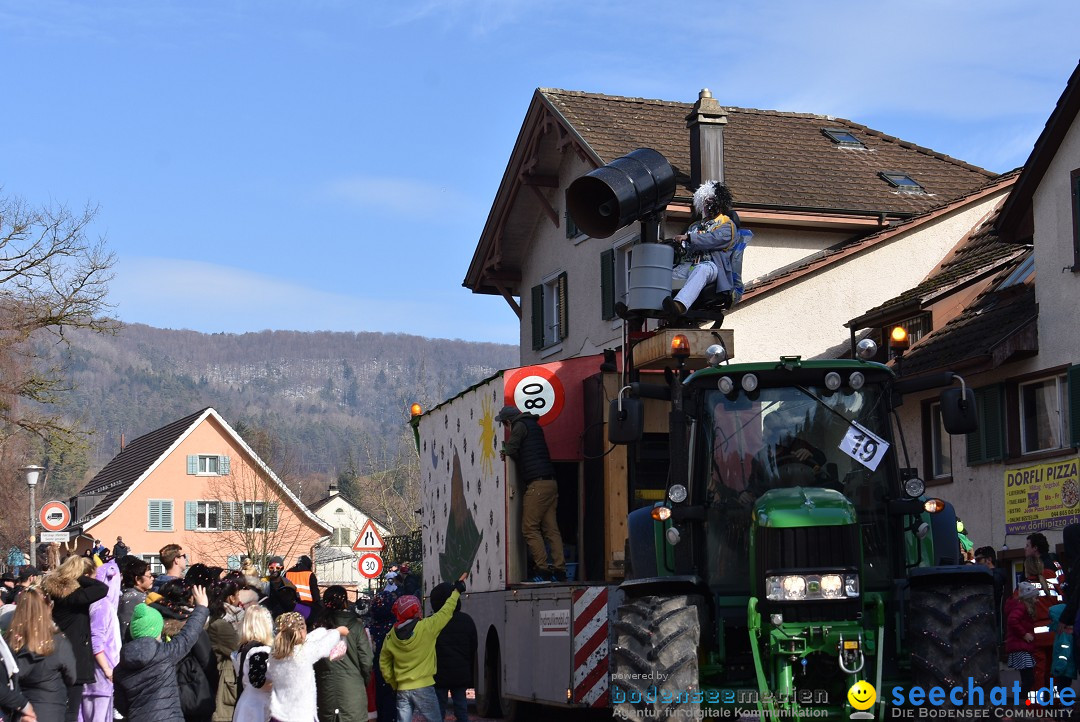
[197,483]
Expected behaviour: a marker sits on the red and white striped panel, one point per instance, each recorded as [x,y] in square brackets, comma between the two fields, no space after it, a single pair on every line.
[591,646]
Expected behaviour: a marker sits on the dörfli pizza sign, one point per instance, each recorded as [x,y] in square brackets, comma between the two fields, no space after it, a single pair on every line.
[1042,496]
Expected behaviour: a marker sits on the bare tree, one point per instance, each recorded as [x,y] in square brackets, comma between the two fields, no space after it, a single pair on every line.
[390,488]
[52,278]
[246,508]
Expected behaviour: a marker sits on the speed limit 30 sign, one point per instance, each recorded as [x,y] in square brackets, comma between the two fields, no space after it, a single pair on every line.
[370,566]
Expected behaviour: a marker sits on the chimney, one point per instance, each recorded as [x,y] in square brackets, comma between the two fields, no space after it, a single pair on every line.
[333,490]
[706,123]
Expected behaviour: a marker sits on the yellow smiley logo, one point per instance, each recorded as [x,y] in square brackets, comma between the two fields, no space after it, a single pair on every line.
[862,695]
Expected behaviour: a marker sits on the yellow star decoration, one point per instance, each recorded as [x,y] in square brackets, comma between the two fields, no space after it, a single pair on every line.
[487,437]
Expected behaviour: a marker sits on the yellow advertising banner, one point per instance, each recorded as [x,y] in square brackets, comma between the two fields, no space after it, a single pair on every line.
[1044,496]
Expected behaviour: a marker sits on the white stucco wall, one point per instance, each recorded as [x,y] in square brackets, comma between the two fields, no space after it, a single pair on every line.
[979,492]
[807,316]
[338,512]
[1057,292]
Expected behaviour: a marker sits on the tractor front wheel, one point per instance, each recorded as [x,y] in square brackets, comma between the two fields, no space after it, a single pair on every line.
[952,633]
[654,673]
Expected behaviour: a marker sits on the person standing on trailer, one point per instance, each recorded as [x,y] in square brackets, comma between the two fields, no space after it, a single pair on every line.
[528,448]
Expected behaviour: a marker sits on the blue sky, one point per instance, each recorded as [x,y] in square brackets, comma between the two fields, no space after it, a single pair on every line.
[330,165]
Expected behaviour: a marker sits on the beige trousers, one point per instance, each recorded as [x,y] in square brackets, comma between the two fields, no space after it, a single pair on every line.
[539,524]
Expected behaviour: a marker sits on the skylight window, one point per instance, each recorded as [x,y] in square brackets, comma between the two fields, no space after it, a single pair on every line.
[1021,274]
[843,138]
[901,182]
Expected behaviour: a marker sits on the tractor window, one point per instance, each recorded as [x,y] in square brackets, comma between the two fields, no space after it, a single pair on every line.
[782,438]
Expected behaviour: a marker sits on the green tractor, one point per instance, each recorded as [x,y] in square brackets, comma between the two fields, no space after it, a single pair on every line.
[793,555]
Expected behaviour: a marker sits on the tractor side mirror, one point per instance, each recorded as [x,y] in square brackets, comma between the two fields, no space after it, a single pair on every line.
[626,425]
[958,412]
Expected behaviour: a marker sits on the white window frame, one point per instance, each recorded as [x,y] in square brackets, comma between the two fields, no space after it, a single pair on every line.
[205,462]
[254,513]
[172,514]
[550,312]
[202,515]
[1056,415]
[940,445]
[154,560]
[624,251]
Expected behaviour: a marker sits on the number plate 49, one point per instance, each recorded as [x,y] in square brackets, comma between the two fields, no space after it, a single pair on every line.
[864,446]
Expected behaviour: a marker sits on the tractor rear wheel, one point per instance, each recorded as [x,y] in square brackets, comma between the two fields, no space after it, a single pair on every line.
[655,658]
[952,633]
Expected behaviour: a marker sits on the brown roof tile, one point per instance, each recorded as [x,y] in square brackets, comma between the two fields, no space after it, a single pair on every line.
[773,158]
[126,467]
[989,320]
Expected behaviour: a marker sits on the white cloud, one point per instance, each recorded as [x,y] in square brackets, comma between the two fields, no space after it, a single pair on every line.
[396,195]
[205,297]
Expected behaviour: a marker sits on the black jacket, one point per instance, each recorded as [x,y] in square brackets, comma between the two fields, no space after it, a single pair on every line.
[455,647]
[196,672]
[72,616]
[531,452]
[45,680]
[145,680]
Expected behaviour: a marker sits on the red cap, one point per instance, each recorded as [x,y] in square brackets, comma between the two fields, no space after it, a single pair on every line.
[406,608]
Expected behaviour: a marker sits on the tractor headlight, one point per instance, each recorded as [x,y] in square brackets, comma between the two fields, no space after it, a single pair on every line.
[677,493]
[914,487]
[799,587]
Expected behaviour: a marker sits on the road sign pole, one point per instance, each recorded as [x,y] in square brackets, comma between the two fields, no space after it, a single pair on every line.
[33,528]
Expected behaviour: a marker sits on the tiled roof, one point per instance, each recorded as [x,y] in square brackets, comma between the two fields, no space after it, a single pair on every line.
[991,319]
[849,247]
[979,255]
[130,464]
[773,158]
[326,500]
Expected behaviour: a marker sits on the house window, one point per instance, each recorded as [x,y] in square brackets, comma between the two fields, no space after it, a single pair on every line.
[940,448]
[343,537]
[916,327]
[206,515]
[843,138]
[572,230]
[1044,415]
[615,276]
[159,515]
[550,318]
[987,443]
[902,182]
[208,464]
[254,515]
[154,561]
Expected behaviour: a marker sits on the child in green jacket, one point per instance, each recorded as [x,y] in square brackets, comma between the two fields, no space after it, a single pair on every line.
[408,661]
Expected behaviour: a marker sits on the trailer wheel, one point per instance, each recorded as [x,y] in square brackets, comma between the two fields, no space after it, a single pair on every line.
[952,634]
[654,664]
[487,700]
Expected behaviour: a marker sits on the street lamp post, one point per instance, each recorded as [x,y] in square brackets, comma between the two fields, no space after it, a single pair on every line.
[32,473]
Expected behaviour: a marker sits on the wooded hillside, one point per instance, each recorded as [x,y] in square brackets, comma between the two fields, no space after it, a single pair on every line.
[330,402]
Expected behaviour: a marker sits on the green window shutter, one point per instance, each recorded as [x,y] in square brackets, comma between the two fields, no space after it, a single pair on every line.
[166,515]
[193,464]
[233,561]
[153,515]
[564,307]
[191,515]
[1073,381]
[987,443]
[537,311]
[271,516]
[223,465]
[607,284]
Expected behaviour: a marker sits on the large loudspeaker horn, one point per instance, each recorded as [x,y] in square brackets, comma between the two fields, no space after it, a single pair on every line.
[625,190]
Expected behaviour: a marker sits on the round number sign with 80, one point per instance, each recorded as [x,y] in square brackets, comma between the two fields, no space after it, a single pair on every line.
[536,390]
